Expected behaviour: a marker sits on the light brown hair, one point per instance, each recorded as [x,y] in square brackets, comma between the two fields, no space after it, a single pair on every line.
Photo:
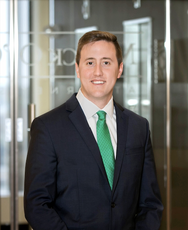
[94,36]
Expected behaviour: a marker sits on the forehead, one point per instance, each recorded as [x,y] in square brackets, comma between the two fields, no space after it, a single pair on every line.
[98,47]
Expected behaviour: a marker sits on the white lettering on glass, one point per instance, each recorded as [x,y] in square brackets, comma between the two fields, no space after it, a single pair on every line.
[55,90]
[7,130]
[56,57]
[70,90]
[130,49]
[24,54]
[74,52]
[20,129]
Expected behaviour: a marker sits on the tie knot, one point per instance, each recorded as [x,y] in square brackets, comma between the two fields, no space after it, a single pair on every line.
[102,115]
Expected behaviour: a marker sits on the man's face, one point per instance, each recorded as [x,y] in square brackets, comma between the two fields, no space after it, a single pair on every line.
[98,71]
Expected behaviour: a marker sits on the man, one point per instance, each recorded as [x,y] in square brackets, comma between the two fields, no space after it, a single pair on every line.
[85,171]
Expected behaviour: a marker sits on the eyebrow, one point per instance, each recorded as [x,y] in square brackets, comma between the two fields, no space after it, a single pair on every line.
[104,58]
[107,58]
[90,58]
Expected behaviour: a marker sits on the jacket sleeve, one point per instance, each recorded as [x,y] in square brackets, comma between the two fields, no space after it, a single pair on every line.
[40,181]
[150,205]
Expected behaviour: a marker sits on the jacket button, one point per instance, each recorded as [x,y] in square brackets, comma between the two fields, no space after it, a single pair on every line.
[113,205]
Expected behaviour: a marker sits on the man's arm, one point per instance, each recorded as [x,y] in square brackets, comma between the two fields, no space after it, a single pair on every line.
[150,205]
[40,181]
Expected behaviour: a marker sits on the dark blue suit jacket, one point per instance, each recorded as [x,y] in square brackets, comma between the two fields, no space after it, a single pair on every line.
[66,186]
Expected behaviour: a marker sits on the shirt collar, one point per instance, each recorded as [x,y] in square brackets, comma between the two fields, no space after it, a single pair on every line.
[90,109]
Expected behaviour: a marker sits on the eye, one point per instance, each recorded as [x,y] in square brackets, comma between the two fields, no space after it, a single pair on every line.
[106,63]
[90,63]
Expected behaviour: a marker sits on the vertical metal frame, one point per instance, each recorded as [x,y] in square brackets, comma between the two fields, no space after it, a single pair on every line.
[13,112]
[52,47]
[168,113]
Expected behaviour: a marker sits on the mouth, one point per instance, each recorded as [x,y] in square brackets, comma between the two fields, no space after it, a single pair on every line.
[98,82]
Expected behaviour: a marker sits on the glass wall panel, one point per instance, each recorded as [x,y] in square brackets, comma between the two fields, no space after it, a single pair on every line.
[5,116]
[48,32]
[23,95]
[179,115]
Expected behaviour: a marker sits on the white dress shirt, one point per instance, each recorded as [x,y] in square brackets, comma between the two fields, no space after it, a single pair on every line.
[90,110]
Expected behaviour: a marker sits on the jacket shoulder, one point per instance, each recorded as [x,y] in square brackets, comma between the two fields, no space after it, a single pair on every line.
[60,112]
[130,114]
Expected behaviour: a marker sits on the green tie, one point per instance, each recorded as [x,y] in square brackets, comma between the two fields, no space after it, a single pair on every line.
[105,146]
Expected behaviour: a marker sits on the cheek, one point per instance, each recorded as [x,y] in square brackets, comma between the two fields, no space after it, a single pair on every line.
[114,77]
[85,74]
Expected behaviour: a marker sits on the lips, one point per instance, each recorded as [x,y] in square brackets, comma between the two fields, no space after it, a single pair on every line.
[98,82]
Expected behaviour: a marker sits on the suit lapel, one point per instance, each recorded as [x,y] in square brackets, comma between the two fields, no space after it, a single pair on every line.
[78,118]
[122,128]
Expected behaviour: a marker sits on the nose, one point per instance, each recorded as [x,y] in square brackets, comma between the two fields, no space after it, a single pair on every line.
[98,70]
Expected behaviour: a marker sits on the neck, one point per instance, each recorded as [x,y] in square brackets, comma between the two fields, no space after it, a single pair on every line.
[99,102]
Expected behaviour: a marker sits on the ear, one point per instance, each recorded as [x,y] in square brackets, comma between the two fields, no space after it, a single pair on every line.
[120,70]
[77,70]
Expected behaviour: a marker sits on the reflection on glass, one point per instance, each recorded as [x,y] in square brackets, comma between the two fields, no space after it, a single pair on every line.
[137,73]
